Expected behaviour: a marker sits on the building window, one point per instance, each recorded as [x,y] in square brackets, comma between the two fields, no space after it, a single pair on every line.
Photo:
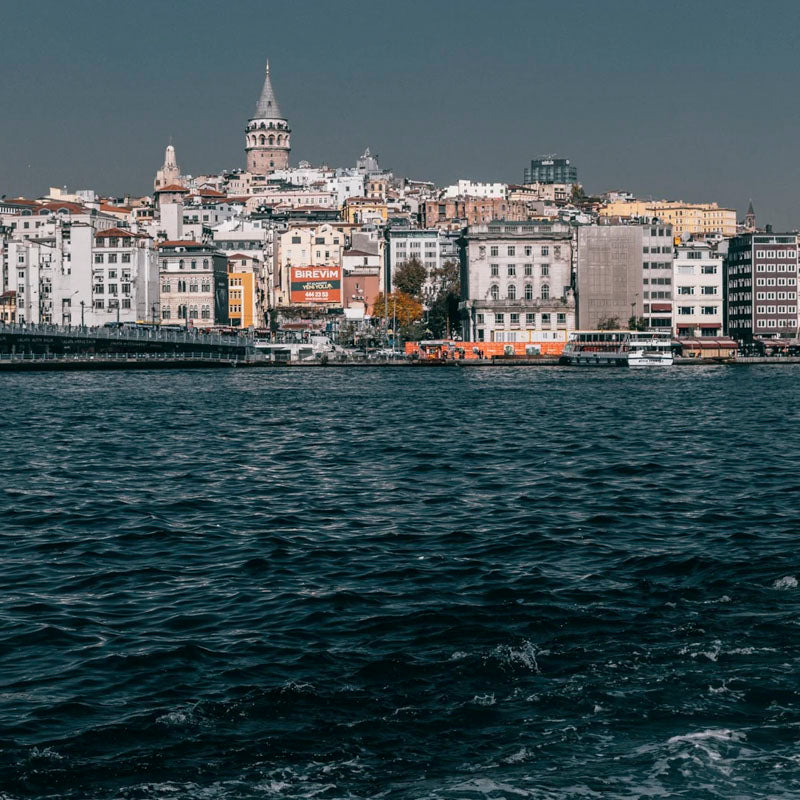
[494,250]
[528,270]
[165,287]
[512,270]
[512,292]
[545,292]
[545,251]
[530,320]
[500,319]
[126,258]
[479,319]
[512,251]
[206,313]
[126,302]
[98,258]
[112,258]
[528,250]
[561,319]
[494,269]
[528,291]
[708,310]
[165,312]
[494,292]
[206,287]
[545,319]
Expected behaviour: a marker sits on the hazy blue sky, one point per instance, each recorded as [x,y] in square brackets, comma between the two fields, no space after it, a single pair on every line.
[685,100]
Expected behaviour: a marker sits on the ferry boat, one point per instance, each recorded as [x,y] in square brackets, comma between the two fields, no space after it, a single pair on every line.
[618,349]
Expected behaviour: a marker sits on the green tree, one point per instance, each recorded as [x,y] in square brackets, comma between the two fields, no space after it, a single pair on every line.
[410,277]
[443,315]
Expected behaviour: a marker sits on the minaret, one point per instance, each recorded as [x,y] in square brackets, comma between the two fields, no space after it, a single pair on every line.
[267,135]
[750,218]
[170,172]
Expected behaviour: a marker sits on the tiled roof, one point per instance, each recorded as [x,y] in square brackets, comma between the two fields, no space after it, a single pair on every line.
[173,187]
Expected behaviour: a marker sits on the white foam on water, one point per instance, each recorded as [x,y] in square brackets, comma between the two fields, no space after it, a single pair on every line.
[524,655]
[712,734]
[486,786]
[484,699]
[786,582]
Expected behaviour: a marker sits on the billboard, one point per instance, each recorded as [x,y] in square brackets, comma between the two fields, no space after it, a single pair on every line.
[315,284]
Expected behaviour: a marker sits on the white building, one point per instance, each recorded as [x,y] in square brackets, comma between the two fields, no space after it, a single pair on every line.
[698,287]
[516,282]
[657,290]
[465,188]
[431,247]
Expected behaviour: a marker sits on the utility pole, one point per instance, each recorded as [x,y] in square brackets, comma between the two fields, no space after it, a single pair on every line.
[83,303]
[394,322]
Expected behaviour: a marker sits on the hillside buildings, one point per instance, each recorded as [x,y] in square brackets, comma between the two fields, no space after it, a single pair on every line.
[695,219]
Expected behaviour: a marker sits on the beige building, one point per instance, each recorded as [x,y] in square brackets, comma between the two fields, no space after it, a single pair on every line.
[194,284]
[307,246]
[693,218]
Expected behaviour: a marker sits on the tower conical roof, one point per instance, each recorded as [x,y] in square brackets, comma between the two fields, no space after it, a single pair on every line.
[267,106]
[750,209]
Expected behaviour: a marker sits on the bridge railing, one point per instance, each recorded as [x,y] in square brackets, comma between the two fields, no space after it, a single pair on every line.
[61,357]
[191,336]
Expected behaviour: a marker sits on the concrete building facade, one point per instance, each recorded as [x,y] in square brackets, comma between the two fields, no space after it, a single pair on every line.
[657,256]
[516,282]
[608,276]
[760,274]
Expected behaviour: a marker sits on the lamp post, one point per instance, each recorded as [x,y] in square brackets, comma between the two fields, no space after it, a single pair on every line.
[83,304]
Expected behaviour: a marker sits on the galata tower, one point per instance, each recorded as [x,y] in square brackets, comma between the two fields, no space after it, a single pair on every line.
[267,135]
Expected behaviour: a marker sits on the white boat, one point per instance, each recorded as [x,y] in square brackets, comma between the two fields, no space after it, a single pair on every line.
[618,349]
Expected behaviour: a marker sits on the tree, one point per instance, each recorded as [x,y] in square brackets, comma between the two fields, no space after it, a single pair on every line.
[608,324]
[443,315]
[637,323]
[410,277]
[399,304]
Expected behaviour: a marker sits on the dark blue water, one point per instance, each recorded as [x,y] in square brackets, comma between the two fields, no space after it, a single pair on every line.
[402,583]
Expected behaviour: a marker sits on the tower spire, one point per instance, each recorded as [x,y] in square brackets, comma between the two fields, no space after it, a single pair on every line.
[267,106]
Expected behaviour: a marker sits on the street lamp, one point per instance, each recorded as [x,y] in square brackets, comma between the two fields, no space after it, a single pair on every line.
[83,303]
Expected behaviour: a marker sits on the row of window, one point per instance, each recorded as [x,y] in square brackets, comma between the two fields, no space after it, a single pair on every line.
[99,288]
[657,249]
[204,312]
[788,267]
[111,258]
[181,286]
[776,282]
[703,289]
[530,319]
[126,303]
[527,250]
[511,270]
[776,295]
[659,295]
[689,310]
[182,264]
[776,309]
[776,254]
[511,292]
[657,265]
[657,281]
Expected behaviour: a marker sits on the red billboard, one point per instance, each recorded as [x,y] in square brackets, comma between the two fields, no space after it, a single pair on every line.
[315,284]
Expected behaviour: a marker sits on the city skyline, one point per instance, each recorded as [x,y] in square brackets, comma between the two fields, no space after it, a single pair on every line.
[658,113]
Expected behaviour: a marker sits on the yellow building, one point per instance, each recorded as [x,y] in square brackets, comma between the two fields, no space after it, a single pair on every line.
[242,299]
[693,218]
[361,210]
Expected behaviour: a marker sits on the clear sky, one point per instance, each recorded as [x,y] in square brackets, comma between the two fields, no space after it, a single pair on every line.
[690,101]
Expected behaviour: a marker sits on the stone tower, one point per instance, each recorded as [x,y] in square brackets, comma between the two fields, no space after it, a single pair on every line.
[750,218]
[267,135]
[170,172]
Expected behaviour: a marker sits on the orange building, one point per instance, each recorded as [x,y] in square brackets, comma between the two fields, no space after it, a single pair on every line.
[242,299]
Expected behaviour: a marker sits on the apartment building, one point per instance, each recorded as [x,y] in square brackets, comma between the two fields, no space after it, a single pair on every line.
[698,291]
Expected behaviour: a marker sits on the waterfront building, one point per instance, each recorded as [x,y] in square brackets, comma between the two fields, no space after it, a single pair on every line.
[244,308]
[657,256]
[432,248]
[760,279]
[193,283]
[267,134]
[698,291]
[305,248]
[516,282]
[125,277]
[694,219]
[8,307]
[608,277]
[550,170]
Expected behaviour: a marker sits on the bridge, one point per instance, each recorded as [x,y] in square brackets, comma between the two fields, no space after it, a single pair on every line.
[64,340]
